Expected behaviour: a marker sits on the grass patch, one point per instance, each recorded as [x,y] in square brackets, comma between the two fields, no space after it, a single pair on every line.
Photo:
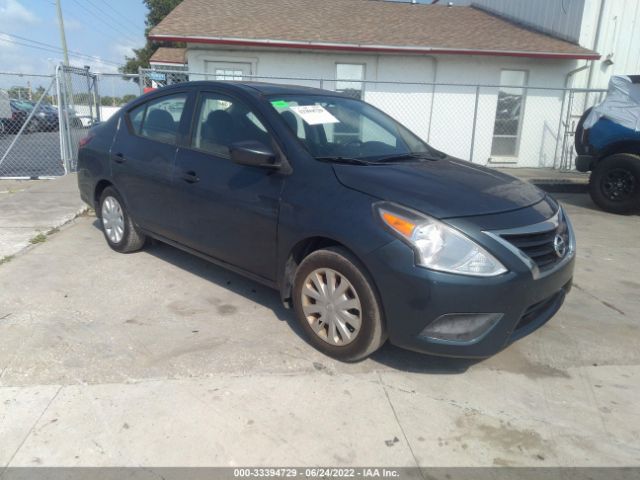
[6,259]
[52,231]
[40,238]
[89,212]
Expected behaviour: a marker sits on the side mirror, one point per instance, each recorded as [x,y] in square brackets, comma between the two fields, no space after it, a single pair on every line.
[253,154]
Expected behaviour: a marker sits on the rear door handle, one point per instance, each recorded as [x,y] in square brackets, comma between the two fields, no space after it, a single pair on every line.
[119,158]
[190,177]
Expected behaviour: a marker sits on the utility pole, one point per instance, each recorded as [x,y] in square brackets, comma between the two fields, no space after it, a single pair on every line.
[63,38]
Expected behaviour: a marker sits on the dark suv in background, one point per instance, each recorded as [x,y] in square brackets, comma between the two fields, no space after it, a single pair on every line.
[367,232]
[608,145]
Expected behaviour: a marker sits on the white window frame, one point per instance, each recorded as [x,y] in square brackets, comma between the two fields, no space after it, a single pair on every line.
[338,79]
[197,62]
[511,158]
[362,81]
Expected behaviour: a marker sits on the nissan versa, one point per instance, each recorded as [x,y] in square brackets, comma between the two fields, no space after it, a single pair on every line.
[367,232]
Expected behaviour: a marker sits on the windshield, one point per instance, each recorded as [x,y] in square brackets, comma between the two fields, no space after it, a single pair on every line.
[344,128]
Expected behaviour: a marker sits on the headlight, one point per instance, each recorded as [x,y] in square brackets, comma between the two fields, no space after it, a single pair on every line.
[437,245]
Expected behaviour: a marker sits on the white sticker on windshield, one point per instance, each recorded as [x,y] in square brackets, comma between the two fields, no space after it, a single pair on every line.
[314,114]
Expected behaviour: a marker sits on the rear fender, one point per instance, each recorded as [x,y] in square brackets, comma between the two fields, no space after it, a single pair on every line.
[627,146]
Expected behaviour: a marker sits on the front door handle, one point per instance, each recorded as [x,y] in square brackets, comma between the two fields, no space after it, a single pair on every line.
[190,177]
[119,158]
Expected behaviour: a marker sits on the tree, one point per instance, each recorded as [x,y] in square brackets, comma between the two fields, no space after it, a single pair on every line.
[158,9]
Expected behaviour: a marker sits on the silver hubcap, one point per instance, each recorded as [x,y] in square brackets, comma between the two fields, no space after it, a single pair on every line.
[113,219]
[331,306]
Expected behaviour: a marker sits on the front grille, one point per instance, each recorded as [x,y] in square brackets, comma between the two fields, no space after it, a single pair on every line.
[540,246]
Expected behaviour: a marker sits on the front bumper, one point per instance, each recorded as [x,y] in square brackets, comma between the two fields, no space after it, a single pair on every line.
[414,297]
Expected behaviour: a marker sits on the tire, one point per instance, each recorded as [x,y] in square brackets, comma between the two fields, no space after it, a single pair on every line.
[119,230]
[615,183]
[32,127]
[337,263]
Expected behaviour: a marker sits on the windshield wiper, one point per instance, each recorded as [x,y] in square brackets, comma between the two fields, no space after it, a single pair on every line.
[428,156]
[345,160]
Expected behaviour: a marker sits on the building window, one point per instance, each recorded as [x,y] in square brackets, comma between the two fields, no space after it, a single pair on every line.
[511,98]
[349,79]
[225,71]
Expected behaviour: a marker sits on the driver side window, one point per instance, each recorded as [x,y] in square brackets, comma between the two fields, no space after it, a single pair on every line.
[222,121]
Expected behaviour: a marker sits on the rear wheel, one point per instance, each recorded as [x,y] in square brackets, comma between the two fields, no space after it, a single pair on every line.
[615,183]
[337,306]
[32,126]
[119,230]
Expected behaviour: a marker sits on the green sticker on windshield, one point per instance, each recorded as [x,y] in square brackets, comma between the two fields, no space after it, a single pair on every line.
[280,104]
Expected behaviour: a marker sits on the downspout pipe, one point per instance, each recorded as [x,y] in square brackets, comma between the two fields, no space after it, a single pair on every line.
[433,94]
[596,41]
[564,101]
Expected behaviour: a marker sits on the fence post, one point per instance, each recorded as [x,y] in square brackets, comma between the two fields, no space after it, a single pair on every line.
[96,97]
[567,129]
[66,92]
[89,94]
[475,123]
[141,80]
[555,156]
[61,122]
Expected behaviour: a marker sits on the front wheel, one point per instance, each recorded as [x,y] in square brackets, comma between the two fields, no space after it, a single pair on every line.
[615,183]
[119,230]
[336,304]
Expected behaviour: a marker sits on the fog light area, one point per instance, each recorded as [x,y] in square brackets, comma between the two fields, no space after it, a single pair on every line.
[461,327]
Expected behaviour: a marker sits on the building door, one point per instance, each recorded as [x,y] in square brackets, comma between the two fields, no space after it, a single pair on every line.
[227,70]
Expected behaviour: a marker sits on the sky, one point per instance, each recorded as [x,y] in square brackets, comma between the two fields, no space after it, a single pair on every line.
[100,33]
[104,31]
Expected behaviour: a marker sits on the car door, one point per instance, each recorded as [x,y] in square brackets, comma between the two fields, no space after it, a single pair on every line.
[143,159]
[228,211]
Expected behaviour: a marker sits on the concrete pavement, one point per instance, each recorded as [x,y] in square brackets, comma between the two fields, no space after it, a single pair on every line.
[30,209]
[161,359]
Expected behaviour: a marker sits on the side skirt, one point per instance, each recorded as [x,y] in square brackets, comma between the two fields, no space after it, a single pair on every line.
[256,278]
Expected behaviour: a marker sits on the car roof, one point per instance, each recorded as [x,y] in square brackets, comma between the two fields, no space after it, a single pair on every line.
[255,88]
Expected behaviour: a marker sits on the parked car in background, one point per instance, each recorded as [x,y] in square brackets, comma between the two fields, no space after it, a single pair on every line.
[11,123]
[369,236]
[608,145]
[77,120]
[45,118]
[6,111]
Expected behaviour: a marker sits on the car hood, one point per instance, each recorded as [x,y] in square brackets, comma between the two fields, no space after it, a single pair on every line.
[444,188]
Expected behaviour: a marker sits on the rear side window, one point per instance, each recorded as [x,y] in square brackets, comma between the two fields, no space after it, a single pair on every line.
[159,119]
[136,115]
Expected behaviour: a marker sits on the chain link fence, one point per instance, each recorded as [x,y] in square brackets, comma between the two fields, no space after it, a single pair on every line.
[79,110]
[29,126]
[43,117]
[494,125]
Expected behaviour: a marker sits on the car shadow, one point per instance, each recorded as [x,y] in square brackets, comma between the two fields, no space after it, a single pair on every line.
[389,355]
[582,200]
[414,362]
